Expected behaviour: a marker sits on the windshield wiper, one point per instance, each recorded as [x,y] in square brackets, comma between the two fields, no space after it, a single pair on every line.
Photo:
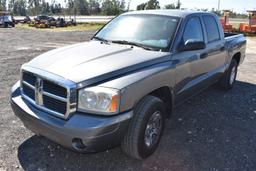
[101,39]
[125,42]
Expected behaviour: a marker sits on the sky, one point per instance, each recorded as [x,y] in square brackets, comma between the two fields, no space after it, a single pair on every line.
[237,5]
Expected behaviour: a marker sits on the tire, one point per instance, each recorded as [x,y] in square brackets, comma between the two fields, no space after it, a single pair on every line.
[229,78]
[136,143]
[5,25]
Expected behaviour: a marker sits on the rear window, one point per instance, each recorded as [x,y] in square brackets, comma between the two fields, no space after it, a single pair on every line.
[212,29]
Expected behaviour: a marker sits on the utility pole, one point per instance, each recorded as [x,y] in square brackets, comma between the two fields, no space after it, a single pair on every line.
[218,5]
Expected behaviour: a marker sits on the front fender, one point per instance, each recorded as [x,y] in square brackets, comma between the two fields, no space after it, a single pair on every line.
[136,85]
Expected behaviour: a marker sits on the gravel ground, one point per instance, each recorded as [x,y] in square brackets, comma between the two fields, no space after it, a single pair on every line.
[213,131]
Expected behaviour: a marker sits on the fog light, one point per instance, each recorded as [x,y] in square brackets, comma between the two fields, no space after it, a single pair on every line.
[78,144]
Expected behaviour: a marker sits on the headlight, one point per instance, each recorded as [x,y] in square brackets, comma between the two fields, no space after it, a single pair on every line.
[99,100]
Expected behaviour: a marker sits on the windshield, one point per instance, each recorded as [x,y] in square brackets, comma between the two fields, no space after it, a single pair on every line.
[149,30]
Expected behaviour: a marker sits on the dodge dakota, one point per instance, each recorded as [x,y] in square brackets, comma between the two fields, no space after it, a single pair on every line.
[120,87]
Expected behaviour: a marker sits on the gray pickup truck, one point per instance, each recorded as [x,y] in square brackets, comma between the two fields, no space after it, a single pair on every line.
[119,88]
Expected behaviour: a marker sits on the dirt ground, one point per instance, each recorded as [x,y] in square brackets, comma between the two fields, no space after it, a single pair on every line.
[213,131]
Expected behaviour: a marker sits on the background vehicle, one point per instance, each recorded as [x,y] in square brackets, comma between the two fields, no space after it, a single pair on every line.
[251,26]
[41,17]
[6,19]
[61,22]
[120,87]
[27,19]
[227,27]
[42,21]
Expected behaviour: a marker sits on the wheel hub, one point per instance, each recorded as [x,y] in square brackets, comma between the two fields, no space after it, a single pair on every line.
[153,129]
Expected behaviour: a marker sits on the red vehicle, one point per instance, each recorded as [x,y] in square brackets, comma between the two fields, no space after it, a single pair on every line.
[251,27]
[225,22]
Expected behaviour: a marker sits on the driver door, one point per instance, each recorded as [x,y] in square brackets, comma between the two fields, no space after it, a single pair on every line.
[190,66]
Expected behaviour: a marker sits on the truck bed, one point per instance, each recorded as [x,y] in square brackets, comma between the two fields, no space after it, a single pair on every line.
[229,37]
[232,35]
[234,44]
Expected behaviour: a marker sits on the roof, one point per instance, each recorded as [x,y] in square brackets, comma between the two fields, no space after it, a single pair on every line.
[167,12]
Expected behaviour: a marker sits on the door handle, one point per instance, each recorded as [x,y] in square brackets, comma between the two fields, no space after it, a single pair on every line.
[222,48]
[203,55]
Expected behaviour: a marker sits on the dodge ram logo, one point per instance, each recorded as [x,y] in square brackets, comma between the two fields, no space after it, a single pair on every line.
[39,91]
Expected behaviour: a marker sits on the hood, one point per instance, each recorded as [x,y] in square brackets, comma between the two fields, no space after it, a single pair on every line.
[92,59]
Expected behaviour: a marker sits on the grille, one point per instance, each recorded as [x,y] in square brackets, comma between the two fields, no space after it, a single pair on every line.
[54,89]
[54,104]
[29,78]
[29,91]
[45,94]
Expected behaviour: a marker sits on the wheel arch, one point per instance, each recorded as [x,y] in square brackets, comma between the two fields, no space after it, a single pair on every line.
[237,57]
[166,95]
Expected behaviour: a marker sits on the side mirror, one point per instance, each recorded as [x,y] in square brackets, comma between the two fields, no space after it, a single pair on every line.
[191,45]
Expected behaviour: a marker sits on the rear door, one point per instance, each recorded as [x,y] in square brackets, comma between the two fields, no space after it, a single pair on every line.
[215,45]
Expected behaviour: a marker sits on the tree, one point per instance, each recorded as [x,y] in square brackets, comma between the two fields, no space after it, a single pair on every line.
[34,7]
[217,12]
[18,7]
[151,4]
[142,6]
[113,7]
[82,7]
[71,7]
[2,5]
[45,8]
[54,8]
[170,6]
[178,5]
[93,7]
[122,6]
[173,6]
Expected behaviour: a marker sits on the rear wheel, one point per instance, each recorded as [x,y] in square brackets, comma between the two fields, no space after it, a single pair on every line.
[145,129]
[228,80]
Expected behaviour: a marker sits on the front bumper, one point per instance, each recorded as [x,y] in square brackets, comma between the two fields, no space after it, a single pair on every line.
[81,132]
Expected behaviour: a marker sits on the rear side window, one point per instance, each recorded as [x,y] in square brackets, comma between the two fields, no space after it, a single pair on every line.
[212,29]
[193,30]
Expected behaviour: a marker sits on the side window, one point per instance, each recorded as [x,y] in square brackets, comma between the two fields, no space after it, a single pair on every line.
[193,30]
[212,29]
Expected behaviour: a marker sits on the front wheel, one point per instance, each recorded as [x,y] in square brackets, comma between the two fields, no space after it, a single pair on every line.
[228,80]
[145,129]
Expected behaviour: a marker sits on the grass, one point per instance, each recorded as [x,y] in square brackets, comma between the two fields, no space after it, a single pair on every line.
[78,27]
